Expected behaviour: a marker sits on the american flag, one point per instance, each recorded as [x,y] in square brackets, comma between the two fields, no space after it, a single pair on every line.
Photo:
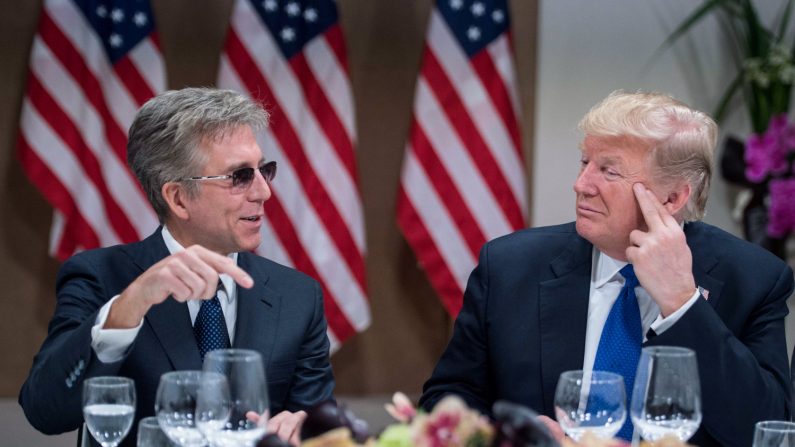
[92,65]
[290,55]
[463,179]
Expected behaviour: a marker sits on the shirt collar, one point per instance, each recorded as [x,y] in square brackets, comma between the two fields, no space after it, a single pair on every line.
[605,268]
[175,247]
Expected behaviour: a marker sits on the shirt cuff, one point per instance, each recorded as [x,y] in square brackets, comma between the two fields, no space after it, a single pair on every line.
[661,324]
[110,345]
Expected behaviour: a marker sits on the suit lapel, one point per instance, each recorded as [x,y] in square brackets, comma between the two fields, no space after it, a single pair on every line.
[703,263]
[169,320]
[563,315]
[257,311]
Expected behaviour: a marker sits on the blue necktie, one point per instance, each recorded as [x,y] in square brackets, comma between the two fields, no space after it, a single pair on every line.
[619,345]
[210,326]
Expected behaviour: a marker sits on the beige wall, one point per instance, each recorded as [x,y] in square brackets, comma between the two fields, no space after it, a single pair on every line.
[385,40]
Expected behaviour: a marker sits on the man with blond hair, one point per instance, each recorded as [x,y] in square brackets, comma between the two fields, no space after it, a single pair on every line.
[635,269]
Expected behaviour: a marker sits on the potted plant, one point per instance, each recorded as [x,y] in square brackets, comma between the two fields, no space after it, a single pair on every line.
[765,74]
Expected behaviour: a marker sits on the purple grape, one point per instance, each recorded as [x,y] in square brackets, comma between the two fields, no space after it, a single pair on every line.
[327,416]
[518,426]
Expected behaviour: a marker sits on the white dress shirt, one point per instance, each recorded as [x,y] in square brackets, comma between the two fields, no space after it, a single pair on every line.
[606,283]
[111,344]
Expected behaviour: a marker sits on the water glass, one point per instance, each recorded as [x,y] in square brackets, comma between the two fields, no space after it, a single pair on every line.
[175,407]
[248,392]
[590,401]
[151,435]
[213,404]
[666,399]
[109,408]
[774,434]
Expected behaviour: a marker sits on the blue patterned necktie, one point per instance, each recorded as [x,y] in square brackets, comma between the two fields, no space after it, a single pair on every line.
[210,326]
[619,345]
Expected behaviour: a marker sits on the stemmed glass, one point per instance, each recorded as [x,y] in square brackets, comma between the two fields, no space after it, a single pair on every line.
[151,435]
[213,404]
[175,407]
[109,408]
[590,401]
[666,400]
[774,434]
[248,391]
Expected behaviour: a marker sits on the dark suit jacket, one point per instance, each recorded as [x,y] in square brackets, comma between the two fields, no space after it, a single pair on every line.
[526,308]
[281,317]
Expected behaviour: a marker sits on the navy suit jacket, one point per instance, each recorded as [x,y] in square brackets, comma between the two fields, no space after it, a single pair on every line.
[281,317]
[525,313]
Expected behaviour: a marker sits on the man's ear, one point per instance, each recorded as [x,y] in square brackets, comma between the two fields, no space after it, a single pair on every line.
[677,198]
[175,196]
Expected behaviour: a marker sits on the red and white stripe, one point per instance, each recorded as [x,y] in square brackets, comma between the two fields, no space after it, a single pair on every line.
[314,218]
[463,180]
[73,131]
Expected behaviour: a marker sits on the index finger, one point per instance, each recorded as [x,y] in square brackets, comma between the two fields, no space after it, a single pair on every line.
[222,264]
[651,208]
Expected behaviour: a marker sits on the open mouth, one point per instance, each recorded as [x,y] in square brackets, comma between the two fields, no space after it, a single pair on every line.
[251,218]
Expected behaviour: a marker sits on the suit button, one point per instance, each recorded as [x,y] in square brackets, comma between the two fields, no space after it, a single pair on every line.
[81,364]
[69,383]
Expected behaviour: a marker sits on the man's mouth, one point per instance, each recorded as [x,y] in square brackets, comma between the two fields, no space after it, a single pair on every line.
[587,209]
[251,218]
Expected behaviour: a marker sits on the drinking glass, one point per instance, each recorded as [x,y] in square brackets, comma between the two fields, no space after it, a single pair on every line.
[213,404]
[248,392]
[151,435]
[109,408]
[590,401]
[666,399]
[175,407]
[774,434]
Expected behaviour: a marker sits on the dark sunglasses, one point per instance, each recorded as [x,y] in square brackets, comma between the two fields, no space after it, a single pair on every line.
[243,177]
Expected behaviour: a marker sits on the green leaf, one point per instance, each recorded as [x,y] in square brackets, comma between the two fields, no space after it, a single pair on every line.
[782,27]
[758,36]
[688,23]
[779,94]
[731,90]
[749,39]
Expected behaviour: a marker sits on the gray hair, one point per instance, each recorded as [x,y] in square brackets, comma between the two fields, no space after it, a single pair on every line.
[165,136]
[680,139]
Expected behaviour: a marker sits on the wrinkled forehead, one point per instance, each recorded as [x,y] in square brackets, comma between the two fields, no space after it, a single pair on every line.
[621,150]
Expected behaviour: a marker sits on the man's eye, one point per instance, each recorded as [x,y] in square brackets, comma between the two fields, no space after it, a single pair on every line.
[610,173]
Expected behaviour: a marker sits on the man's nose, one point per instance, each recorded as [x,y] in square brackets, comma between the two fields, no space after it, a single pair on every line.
[260,188]
[584,183]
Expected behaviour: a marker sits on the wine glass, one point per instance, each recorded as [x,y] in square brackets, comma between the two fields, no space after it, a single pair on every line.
[666,399]
[248,391]
[590,401]
[774,434]
[175,407]
[151,435]
[213,404]
[109,408]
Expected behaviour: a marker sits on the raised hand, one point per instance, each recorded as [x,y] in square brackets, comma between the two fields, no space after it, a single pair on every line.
[188,274]
[660,255]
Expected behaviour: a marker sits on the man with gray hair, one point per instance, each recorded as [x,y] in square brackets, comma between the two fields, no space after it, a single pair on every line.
[635,269]
[142,309]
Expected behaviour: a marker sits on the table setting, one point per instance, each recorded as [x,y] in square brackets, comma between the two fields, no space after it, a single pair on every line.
[226,404]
